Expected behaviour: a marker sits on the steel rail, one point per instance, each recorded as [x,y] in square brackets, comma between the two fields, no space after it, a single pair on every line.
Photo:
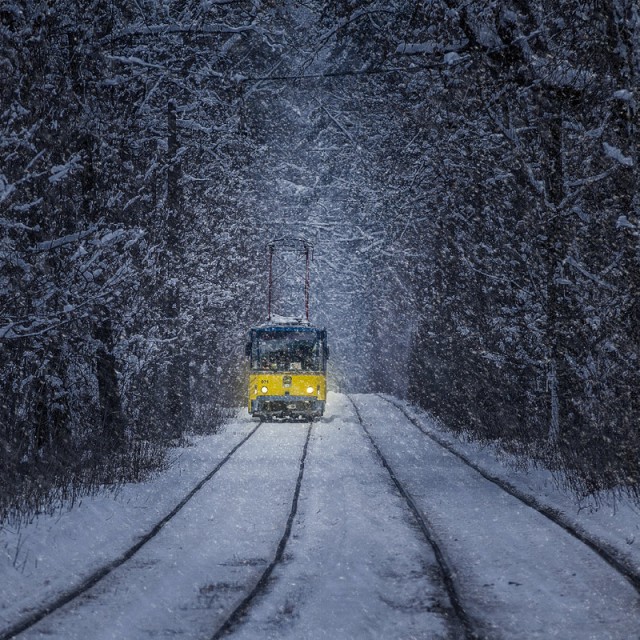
[610,555]
[90,581]
[235,617]
[470,627]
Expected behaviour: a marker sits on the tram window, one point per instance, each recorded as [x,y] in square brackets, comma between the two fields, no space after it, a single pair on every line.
[284,351]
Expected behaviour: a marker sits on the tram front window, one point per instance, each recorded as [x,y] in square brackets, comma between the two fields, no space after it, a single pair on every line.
[282,351]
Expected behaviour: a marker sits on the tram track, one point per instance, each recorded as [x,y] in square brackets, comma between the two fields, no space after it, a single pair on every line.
[102,572]
[260,584]
[466,618]
[469,626]
[606,553]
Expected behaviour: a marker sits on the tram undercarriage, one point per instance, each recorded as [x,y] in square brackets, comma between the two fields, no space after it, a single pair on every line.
[282,408]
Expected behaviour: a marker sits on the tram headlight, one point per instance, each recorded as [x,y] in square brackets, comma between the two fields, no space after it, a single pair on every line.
[264,389]
[309,389]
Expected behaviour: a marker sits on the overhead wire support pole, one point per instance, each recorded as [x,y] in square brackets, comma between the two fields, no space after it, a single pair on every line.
[270,248]
[306,282]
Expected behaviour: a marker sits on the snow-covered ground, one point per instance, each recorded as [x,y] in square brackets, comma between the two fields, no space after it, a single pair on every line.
[356,565]
[608,518]
[184,580]
[519,575]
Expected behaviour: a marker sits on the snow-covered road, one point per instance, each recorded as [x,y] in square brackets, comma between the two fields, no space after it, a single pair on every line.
[357,562]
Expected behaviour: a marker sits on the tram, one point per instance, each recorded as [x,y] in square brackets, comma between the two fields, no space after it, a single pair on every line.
[288,367]
[288,355]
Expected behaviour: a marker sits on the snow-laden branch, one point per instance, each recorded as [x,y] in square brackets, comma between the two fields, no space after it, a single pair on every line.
[624,223]
[48,245]
[615,154]
[136,61]
[12,224]
[61,171]
[591,276]
[345,22]
[6,189]
[177,29]
[512,136]
[33,327]
[336,122]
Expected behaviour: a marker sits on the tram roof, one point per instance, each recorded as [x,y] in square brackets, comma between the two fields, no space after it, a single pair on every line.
[282,323]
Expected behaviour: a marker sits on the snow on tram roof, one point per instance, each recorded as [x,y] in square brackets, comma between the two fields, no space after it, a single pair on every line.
[286,321]
[281,323]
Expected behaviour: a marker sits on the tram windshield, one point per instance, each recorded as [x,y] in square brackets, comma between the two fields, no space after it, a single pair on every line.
[286,350]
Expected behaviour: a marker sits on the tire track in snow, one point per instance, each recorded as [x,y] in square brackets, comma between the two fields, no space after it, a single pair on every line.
[65,598]
[606,552]
[469,626]
[236,615]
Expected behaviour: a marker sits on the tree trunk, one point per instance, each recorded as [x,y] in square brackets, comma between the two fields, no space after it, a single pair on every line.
[112,418]
[556,249]
[177,393]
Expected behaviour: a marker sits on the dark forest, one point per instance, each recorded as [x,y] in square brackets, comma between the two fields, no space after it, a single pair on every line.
[467,171]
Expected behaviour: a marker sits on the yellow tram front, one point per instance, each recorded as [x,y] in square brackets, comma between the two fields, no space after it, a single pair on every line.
[288,371]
